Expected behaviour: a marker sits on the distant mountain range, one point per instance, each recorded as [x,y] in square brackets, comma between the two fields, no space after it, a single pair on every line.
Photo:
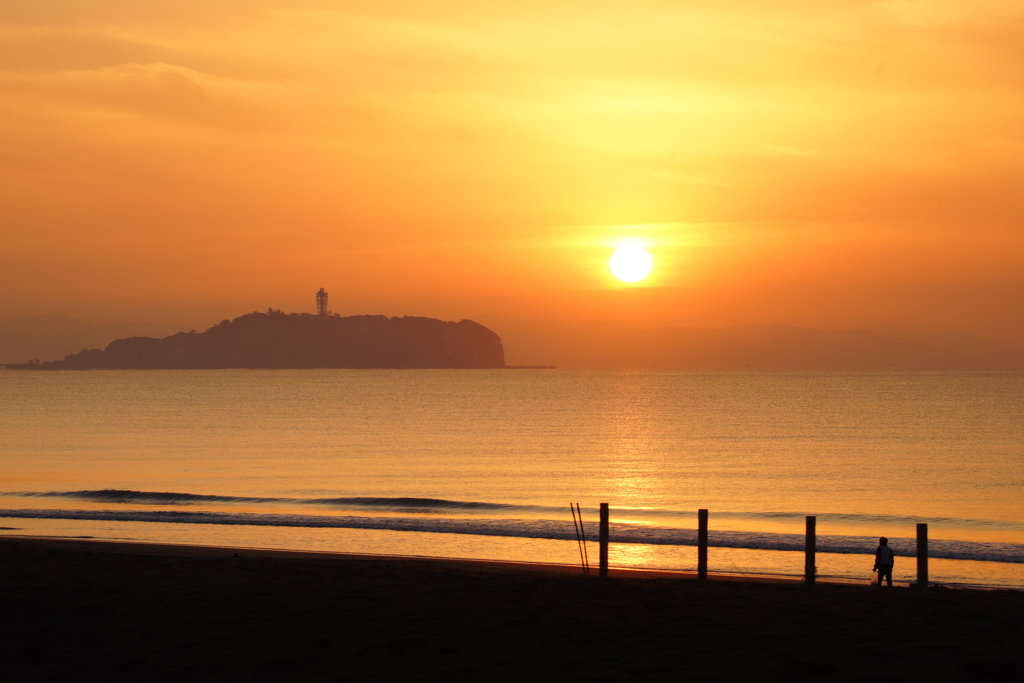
[764,347]
[55,335]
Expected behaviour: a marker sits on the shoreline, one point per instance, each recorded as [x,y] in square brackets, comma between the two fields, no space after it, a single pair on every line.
[119,611]
[184,549]
[195,550]
[766,564]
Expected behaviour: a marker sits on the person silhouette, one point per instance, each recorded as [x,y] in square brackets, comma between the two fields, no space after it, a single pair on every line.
[884,560]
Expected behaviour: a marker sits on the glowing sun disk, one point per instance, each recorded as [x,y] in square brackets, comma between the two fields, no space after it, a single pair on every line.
[631,263]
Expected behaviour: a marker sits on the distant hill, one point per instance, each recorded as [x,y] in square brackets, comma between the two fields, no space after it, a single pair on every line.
[279,340]
[55,335]
[773,347]
[548,342]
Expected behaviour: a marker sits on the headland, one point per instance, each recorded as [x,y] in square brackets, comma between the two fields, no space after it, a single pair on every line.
[299,340]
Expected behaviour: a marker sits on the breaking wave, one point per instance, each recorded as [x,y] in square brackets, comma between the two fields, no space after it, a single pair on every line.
[166,498]
[545,529]
[441,506]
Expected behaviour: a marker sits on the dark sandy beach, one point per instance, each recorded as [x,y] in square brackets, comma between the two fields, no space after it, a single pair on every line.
[78,610]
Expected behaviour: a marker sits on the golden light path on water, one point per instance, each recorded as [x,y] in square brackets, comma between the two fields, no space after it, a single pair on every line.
[869,453]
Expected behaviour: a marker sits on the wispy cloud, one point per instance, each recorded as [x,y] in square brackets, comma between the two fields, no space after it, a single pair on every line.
[786,151]
[666,174]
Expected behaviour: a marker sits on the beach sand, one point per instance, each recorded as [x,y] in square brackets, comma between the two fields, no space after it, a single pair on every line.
[86,610]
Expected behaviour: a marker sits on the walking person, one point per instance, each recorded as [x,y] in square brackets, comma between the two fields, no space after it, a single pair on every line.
[884,560]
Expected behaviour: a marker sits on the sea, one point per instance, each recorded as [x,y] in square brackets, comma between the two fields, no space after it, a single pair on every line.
[484,464]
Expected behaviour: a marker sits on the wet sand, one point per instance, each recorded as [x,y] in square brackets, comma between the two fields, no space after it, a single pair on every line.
[87,610]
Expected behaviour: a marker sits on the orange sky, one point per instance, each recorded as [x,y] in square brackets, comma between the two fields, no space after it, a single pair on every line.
[831,165]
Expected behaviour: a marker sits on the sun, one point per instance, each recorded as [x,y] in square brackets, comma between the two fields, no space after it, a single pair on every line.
[631,263]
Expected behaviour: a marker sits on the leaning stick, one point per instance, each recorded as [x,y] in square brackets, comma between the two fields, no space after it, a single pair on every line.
[583,532]
[578,541]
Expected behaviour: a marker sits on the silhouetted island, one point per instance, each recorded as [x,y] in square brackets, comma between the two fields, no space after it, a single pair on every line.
[300,340]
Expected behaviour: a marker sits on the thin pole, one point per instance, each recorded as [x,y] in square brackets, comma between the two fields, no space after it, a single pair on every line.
[702,545]
[583,533]
[810,550]
[922,555]
[603,538]
[579,542]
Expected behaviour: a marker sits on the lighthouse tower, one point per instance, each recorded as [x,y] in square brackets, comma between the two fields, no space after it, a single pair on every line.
[321,302]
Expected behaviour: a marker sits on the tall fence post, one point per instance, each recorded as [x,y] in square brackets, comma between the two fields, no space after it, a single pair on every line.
[603,538]
[810,549]
[922,555]
[702,545]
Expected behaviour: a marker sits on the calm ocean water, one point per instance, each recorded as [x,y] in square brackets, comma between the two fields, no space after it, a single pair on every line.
[483,463]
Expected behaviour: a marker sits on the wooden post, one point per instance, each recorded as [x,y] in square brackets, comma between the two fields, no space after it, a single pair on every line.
[922,555]
[702,545]
[603,538]
[810,549]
